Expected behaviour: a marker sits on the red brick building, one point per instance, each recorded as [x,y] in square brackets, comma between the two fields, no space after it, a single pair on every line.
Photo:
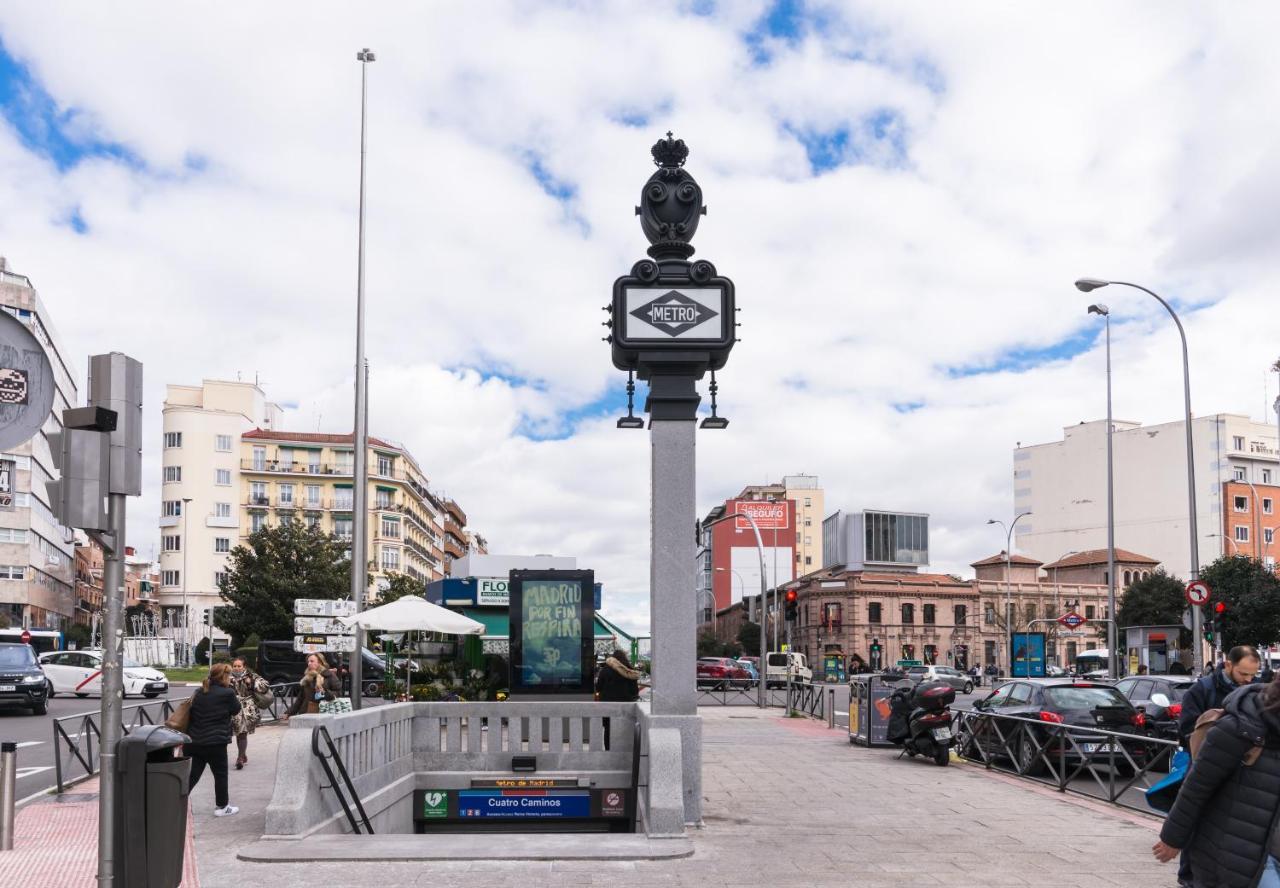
[1250,520]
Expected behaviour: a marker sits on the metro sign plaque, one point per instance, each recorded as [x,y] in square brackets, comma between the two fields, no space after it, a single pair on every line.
[682,314]
[674,313]
[1072,620]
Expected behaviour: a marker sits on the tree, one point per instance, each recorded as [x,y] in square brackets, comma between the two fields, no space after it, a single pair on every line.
[276,565]
[77,636]
[1155,600]
[399,585]
[749,637]
[708,645]
[1251,594]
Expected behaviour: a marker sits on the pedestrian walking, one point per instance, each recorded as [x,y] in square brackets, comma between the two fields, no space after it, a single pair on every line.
[1226,819]
[213,707]
[253,692]
[319,685]
[1239,668]
[617,682]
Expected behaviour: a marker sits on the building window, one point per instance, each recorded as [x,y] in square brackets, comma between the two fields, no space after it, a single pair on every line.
[259,459]
[1237,442]
[172,474]
[808,501]
[286,494]
[313,462]
[12,535]
[342,498]
[219,577]
[808,560]
[313,495]
[258,493]
[222,510]
[172,439]
[1266,505]
[171,577]
[257,521]
[930,614]
[386,465]
[391,528]
[873,612]
[172,508]
[221,544]
[1031,612]
[1268,535]
[989,614]
[383,499]
[1266,476]
[908,613]
[960,614]
[345,461]
[1238,473]
[1242,503]
[1090,612]
[222,443]
[222,477]
[173,544]
[313,521]
[1242,533]
[390,558]
[342,528]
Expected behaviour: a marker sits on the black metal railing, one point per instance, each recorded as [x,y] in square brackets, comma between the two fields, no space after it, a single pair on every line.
[328,762]
[1114,766]
[808,698]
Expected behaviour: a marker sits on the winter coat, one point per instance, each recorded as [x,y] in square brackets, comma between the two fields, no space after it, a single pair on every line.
[1207,693]
[617,683]
[1226,812]
[249,716]
[306,703]
[211,714]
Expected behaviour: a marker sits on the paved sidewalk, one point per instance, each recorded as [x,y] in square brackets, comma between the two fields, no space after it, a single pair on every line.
[789,804]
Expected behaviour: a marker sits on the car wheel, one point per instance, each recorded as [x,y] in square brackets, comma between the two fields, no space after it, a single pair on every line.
[40,709]
[49,691]
[968,688]
[80,695]
[372,689]
[1028,762]
[151,695]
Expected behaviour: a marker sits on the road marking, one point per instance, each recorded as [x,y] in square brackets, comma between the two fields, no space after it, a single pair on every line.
[30,743]
[29,772]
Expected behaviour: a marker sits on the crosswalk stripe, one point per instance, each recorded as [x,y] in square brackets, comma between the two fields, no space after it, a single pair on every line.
[29,772]
[30,743]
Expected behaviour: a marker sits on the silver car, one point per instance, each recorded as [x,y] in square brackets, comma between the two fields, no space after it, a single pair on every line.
[954,677]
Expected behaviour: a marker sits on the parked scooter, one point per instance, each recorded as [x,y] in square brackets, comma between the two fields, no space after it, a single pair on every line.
[920,722]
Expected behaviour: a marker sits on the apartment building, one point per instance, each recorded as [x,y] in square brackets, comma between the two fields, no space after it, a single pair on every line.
[37,554]
[310,476]
[1250,518]
[1063,485]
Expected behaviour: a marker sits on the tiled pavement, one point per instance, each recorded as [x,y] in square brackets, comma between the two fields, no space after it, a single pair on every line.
[789,804]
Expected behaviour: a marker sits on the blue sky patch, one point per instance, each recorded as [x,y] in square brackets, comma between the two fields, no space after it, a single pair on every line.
[76,221]
[1019,360]
[908,406]
[54,133]
[878,139]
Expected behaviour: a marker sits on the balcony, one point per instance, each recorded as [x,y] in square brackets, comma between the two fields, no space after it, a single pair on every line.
[286,504]
[276,467]
[170,520]
[257,502]
[222,521]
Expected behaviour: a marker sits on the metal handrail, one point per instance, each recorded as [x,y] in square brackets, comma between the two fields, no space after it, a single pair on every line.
[1055,754]
[346,779]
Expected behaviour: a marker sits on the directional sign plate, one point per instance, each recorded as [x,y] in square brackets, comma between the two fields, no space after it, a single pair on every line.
[1198,592]
[311,644]
[324,607]
[1072,620]
[320,626]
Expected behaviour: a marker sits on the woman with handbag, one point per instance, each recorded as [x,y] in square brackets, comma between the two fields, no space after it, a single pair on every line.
[320,688]
[209,715]
[254,695]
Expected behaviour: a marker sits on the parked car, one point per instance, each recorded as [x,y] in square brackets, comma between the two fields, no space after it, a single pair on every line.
[22,682]
[750,666]
[719,673]
[279,663]
[958,680]
[80,673]
[1160,699]
[1078,704]
[776,668]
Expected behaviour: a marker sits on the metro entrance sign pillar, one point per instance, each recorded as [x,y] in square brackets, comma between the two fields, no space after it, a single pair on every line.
[672,321]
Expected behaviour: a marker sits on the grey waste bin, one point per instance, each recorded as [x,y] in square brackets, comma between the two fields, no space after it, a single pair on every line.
[151,807]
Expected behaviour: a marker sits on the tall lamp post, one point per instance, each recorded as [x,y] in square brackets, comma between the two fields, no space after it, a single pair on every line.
[188,657]
[764,656]
[1008,583]
[1087,285]
[1235,547]
[1113,659]
[360,493]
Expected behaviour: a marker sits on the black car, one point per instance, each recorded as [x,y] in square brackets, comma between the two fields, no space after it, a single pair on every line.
[1160,699]
[1075,703]
[279,663]
[22,682]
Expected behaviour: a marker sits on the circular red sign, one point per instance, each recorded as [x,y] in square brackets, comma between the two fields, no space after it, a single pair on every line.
[1197,592]
[26,637]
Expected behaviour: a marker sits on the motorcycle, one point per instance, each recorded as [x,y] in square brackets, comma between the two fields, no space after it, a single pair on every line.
[920,721]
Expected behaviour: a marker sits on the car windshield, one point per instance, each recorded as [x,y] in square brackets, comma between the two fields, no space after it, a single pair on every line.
[18,655]
[1175,692]
[1084,698]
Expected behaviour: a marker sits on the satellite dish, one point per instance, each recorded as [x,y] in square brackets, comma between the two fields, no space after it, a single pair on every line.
[26,383]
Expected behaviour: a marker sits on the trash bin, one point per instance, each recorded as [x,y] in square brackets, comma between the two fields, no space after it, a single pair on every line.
[151,807]
[869,708]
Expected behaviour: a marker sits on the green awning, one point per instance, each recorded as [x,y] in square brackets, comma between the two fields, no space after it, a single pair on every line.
[498,625]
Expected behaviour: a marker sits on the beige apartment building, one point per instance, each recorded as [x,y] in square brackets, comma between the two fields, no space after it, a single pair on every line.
[806,493]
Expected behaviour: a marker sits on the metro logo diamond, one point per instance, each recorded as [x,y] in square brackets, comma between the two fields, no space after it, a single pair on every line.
[674,313]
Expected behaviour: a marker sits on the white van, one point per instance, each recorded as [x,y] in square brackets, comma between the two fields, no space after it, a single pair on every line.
[776,668]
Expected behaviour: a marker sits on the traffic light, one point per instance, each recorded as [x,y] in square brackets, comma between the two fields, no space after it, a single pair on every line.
[81,453]
[875,645]
[792,599]
[1219,614]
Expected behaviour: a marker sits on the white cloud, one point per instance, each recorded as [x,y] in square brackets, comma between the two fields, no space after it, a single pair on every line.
[1039,147]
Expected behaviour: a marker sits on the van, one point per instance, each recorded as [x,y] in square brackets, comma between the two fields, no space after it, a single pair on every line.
[776,668]
[279,663]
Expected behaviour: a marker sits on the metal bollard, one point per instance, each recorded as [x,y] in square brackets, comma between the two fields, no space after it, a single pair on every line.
[831,707]
[8,792]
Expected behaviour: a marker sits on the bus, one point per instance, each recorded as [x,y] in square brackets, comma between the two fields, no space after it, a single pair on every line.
[43,640]
[1092,661]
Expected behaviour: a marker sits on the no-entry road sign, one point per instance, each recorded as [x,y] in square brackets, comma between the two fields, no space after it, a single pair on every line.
[1072,620]
[1197,592]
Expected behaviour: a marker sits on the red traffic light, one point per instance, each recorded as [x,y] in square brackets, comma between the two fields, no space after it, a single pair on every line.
[1220,608]
[792,596]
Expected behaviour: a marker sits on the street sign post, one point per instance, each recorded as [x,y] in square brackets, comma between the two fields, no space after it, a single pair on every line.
[26,383]
[317,629]
[1198,593]
[324,607]
[1072,620]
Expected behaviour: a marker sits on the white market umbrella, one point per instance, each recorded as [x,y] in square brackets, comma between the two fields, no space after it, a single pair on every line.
[413,613]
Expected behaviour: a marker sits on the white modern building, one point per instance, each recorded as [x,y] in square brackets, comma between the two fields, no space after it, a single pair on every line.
[1063,484]
[876,540]
[200,492]
[37,554]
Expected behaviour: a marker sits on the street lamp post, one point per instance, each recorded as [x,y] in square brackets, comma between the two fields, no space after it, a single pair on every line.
[1086,285]
[1235,547]
[360,493]
[1008,583]
[764,656]
[1113,661]
[188,657]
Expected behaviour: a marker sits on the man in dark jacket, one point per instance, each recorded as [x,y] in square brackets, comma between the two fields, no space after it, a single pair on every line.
[1240,668]
[1226,815]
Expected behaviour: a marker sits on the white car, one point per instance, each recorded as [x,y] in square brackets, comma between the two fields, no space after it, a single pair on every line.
[80,673]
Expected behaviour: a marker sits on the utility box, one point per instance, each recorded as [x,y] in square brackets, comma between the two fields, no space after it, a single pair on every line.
[151,807]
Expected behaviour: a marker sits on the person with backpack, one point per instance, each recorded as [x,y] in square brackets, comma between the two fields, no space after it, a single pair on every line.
[213,706]
[1226,819]
[1240,668]
[616,682]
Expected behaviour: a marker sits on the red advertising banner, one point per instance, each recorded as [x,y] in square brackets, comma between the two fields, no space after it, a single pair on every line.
[767,515]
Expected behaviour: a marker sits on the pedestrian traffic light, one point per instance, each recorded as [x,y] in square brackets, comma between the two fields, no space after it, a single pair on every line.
[81,453]
[792,599]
